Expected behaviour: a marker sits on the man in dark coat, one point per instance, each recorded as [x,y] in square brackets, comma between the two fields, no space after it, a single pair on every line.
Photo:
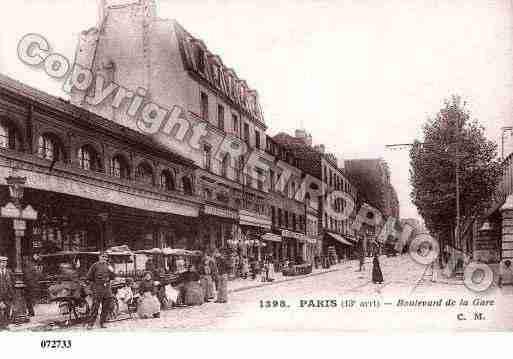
[31,279]
[6,293]
[100,274]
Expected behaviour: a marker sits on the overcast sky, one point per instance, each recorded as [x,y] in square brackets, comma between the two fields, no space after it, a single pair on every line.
[357,74]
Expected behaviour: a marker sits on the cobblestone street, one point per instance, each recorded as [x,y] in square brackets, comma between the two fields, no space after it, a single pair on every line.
[308,304]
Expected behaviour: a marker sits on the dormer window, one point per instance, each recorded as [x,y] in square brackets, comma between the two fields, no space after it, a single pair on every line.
[200,59]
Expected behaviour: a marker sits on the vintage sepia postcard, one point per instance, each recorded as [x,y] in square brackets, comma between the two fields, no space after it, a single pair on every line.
[237,165]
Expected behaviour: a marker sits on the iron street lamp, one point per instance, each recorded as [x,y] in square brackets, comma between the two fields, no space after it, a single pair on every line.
[19,216]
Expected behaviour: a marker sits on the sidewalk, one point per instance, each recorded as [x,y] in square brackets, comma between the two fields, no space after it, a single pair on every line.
[48,313]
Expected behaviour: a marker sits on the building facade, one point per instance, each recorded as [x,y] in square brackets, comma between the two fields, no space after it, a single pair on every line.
[315,161]
[165,65]
[94,183]
[292,219]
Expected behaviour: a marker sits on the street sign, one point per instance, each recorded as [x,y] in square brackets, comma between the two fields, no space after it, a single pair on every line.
[10,211]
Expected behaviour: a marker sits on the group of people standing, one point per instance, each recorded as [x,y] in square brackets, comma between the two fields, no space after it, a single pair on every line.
[252,267]
[203,282]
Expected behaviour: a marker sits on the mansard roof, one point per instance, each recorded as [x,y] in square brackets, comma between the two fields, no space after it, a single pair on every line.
[221,78]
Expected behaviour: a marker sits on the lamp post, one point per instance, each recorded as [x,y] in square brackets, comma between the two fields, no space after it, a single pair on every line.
[19,216]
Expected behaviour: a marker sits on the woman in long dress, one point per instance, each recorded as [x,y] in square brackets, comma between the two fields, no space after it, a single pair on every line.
[193,291]
[270,271]
[206,281]
[377,275]
[222,282]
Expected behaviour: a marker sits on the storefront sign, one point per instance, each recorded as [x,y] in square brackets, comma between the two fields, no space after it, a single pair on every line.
[252,219]
[221,212]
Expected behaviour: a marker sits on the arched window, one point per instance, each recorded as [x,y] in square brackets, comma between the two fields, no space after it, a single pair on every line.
[187,185]
[144,174]
[167,180]
[89,159]
[225,165]
[50,148]
[7,136]
[119,167]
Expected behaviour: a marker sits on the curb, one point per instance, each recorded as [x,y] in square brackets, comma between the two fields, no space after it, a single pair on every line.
[282,281]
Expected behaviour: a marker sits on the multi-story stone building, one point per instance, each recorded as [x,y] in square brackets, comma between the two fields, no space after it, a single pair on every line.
[316,162]
[294,222]
[209,111]
[94,183]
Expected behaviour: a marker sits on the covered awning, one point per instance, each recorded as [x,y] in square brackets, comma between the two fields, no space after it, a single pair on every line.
[271,237]
[340,239]
[102,191]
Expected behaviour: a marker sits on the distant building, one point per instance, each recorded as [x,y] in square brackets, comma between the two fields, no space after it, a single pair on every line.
[317,162]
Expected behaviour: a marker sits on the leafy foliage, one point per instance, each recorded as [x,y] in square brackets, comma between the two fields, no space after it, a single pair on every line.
[452,141]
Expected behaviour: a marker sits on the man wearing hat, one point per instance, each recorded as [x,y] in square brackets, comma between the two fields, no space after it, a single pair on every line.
[100,274]
[6,293]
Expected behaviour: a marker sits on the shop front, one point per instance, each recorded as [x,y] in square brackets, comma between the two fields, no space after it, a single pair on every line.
[253,227]
[218,228]
[294,246]
[273,243]
[341,248]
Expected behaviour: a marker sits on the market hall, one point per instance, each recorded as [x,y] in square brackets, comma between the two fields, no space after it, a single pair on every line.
[93,183]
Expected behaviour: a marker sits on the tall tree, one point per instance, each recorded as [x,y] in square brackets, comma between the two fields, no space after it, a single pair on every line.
[452,142]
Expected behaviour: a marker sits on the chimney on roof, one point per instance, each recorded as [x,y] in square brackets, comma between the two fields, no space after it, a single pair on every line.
[305,137]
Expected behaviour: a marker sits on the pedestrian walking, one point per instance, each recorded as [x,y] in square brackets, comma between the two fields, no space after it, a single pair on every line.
[270,269]
[100,274]
[377,275]
[31,279]
[222,282]
[362,260]
[214,271]
[206,281]
[6,293]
